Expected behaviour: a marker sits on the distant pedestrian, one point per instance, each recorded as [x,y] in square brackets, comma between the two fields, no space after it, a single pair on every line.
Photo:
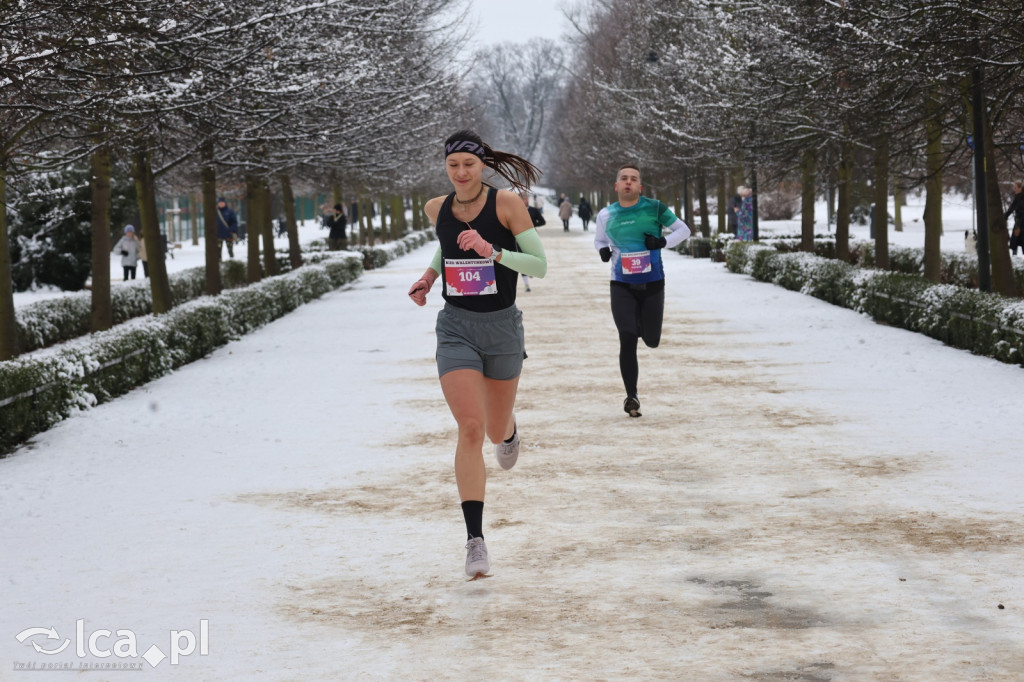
[536,213]
[735,203]
[337,224]
[745,215]
[128,248]
[585,212]
[538,219]
[227,228]
[1017,209]
[565,212]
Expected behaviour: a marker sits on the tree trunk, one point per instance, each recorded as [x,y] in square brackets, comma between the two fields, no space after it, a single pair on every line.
[687,199]
[208,172]
[723,199]
[807,195]
[881,199]
[254,223]
[369,237]
[102,315]
[897,208]
[933,193]
[288,197]
[270,263]
[417,220]
[843,188]
[385,234]
[8,330]
[397,217]
[702,197]
[145,188]
[999,238]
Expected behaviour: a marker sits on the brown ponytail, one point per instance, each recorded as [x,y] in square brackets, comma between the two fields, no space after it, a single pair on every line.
[519,172]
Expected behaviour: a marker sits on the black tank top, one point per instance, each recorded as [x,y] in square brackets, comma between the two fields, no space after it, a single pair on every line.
[491,229]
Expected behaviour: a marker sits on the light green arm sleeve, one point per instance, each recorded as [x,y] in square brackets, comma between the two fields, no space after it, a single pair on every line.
[531,260]
[435,262]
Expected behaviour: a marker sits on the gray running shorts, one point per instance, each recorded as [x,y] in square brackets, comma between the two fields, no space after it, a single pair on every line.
[491,343]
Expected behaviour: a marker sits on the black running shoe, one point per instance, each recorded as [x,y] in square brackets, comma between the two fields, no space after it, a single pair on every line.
[631,406]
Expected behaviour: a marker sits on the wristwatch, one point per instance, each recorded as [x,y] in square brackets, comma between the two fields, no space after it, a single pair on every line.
[495,252]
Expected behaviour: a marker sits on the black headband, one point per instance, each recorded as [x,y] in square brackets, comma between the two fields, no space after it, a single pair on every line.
[467,146]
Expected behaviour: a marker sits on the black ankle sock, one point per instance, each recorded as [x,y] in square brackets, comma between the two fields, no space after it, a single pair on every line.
[473,511]
[513,436]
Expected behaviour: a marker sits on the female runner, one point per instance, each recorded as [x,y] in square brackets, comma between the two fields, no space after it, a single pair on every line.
[486,239]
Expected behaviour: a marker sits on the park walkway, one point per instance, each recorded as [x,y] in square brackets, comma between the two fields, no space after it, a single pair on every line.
[760,521]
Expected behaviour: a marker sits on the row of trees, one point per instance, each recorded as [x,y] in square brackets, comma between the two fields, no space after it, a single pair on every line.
[258,93]
[838,94]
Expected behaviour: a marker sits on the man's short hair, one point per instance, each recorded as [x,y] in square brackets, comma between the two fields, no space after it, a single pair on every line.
[628,165]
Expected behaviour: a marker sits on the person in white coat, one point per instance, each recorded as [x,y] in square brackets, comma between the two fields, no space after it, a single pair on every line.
[128,248]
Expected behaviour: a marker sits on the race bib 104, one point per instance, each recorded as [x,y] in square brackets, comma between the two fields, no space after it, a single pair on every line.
[636,262]
[471,277]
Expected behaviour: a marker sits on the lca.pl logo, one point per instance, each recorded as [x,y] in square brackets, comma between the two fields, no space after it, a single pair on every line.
[125,649]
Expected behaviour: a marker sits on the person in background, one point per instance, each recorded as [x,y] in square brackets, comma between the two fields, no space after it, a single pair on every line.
[1017,209]
[745,215]
[735,203]
[227,228]
[337,224]
[585,212]
[128,248]
[565,212]
[536,212]
[537,217]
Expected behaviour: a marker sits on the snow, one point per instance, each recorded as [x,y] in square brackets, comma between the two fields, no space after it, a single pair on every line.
[809,495]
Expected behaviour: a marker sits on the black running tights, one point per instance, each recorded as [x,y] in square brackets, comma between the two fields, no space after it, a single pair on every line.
[638,314]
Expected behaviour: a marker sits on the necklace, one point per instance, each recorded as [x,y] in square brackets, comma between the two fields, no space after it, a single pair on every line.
[464,203]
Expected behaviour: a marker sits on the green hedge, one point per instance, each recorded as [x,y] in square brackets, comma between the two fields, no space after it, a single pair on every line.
[981,322]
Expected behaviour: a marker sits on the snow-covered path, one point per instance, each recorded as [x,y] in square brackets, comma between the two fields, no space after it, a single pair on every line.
[808,496]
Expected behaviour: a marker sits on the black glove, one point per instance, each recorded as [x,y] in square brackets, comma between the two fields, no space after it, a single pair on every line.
[652,242]
[606,253]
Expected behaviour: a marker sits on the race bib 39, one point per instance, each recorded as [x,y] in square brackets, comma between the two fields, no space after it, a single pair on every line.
[636,262]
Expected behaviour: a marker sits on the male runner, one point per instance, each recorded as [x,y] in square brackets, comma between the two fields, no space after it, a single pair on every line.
[629,234]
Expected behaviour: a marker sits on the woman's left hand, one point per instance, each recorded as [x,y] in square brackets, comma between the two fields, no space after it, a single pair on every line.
[470,240]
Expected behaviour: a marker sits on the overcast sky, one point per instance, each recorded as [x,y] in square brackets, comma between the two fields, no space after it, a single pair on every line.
[517,20]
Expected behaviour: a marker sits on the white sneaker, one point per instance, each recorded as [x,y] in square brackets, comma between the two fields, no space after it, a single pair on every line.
[476,558]
[508,453]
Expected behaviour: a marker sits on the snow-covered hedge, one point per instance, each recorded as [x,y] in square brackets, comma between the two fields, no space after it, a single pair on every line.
[39,390]
[981,322]
[380,254]
[712,247]
[61,319]
[959,268]
[45,323]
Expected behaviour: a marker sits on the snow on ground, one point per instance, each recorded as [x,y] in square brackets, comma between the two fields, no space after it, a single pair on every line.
[809,495]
